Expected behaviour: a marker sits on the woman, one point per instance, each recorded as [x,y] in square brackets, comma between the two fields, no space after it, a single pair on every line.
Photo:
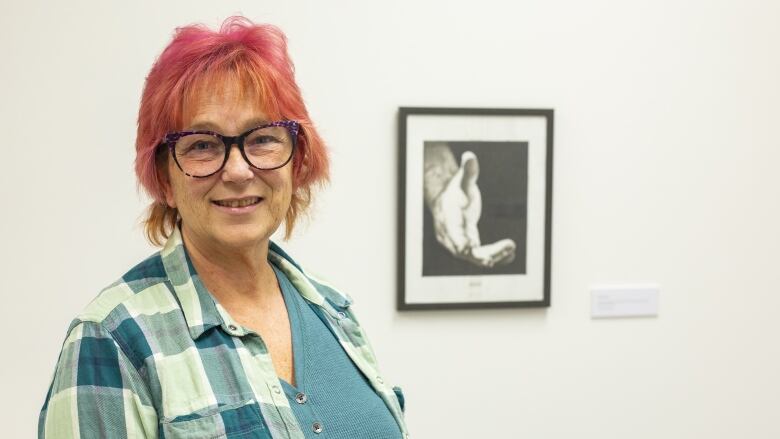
[221,333]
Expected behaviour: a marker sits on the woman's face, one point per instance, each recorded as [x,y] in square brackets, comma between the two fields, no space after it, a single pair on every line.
[203,203]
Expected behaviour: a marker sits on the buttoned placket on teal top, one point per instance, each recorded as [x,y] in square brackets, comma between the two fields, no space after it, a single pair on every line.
[330,395]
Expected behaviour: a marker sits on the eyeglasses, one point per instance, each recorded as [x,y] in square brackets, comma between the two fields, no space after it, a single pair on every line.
[204,153]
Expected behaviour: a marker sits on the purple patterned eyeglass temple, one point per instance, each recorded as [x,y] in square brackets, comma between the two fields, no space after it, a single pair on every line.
[204,153]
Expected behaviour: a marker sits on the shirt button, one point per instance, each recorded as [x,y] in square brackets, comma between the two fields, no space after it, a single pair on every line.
[232,327]
[380,380]
[300,398]
[342,315]
[276,390]
[316,427]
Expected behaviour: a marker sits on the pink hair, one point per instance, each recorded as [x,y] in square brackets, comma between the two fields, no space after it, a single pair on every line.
[253,56]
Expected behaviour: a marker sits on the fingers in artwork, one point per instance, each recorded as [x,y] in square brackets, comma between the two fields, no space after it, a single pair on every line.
[470,167]
[498,253]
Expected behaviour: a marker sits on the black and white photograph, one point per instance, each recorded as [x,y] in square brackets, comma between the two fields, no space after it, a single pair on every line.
[474,207]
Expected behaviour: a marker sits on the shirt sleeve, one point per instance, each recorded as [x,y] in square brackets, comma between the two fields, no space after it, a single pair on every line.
[96,391]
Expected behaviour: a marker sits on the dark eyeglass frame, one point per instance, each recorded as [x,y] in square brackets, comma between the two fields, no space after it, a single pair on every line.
[293,127]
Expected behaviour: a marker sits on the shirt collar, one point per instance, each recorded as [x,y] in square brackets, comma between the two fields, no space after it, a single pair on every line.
[197,304]
[203,312]
[312,289]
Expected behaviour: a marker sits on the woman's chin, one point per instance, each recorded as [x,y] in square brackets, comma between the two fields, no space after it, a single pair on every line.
[242,236]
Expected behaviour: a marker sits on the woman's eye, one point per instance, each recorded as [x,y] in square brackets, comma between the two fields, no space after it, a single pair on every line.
[262,140]
[201,146]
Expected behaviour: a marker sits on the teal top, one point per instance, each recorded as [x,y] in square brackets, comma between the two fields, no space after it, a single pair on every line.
[331,398]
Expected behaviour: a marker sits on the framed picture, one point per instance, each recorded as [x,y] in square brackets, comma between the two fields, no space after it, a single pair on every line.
[475,207]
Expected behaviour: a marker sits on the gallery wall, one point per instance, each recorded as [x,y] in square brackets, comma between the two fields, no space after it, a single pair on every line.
[666,157]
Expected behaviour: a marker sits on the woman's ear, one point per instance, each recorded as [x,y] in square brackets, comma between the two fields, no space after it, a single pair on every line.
[300,171]
[163,176]
[168,190]
[169,197]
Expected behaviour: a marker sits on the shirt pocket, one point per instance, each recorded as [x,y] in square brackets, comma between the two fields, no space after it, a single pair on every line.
[239,421]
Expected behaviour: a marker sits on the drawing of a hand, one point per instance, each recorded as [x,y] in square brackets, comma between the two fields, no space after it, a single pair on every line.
[457,209]
[456,213]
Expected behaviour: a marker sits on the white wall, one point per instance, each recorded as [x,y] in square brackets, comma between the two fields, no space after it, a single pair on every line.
[666,158]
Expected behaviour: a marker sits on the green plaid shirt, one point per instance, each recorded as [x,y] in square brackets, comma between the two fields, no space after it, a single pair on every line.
[142,360]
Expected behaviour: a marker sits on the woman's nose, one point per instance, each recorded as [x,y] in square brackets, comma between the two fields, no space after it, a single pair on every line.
[236,168]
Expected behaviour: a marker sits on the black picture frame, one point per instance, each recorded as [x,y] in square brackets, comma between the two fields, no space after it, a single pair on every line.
[446,260]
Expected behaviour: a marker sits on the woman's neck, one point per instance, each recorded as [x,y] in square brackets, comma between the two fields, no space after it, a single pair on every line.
[236,277]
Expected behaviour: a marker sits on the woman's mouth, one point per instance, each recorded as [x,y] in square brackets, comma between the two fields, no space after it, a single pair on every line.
[238,205]
[241,202]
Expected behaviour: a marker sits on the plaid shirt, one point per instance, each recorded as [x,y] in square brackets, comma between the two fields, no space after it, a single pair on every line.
[154,355]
